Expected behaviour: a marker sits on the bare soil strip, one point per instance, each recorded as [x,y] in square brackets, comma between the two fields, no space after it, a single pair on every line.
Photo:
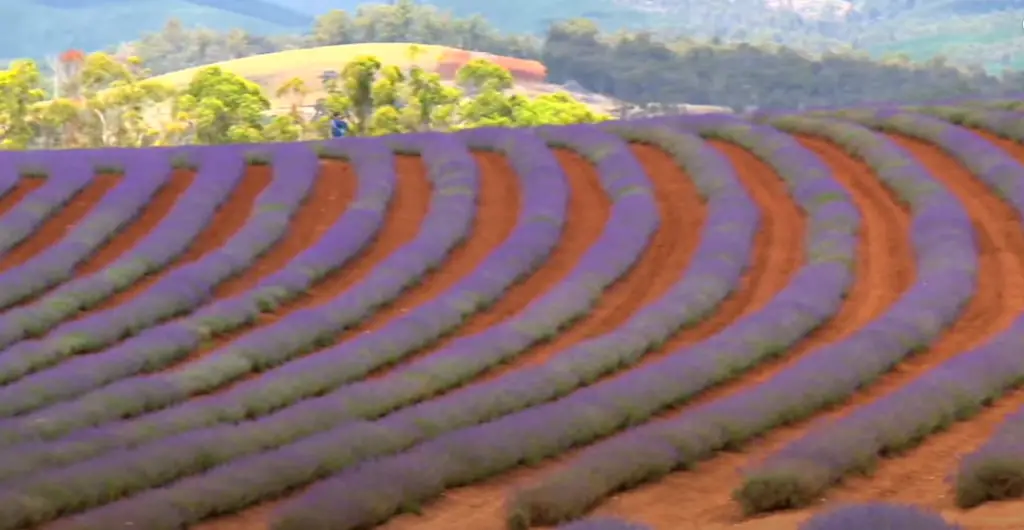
[777,254]
[230,217]
[149,217]
[919,477]
[884,269]
[998,299]
[409,205]
[58,225]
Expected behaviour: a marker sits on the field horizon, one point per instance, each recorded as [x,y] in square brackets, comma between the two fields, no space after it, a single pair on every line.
[702,321]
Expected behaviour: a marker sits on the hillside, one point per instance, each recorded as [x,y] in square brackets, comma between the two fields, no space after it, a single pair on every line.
[684,323]
[985,32]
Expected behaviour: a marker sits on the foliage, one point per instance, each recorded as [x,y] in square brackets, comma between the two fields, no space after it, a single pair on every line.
[969,32]
[637,67]
[109,102]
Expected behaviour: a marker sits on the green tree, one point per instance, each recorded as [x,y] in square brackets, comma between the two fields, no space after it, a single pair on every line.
[222,107]
[20,90]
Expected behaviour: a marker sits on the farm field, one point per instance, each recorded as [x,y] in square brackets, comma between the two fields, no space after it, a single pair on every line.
[700,321]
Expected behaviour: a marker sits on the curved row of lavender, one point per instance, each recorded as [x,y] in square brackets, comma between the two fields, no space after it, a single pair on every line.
[801,471]
[545,200]
[165,242]
[544,186]
[64,180]
[1006,124]
[158,346]
[879,516]
[452,210]
[995,470]
[589,413]
[180,290]
[603,523]
[143,176]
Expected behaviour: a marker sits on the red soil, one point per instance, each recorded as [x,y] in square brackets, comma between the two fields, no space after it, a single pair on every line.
[13,196]
[58,225]
[777,254]
[699,498]
[228,219]
[919,476]
[409,205]
[884,269]
[149,217]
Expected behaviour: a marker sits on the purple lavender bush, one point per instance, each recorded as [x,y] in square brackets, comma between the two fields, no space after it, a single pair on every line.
[648,452]
[144,175]
[587,414]
[994,471]
[157,347]
[65,180]
[165,242]
[877,516]
[634,209]
[953,391]
[603,523]
[545,189]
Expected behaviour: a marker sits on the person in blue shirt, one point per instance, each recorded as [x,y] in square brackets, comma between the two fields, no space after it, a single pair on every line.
[339,127]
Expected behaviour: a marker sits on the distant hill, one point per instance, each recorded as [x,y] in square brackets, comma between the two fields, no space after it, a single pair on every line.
[986,32]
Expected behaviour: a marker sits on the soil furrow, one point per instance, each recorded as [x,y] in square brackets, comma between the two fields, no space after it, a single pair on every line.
[228,219]
[884,269]
[151,215]
[919,476]
[586,214]
[481,506]
[61,222]
[498,208]
[409,205]
[25,186]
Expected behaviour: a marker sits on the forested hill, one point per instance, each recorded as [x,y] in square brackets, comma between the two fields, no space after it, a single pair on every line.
[986,32]
[635,67]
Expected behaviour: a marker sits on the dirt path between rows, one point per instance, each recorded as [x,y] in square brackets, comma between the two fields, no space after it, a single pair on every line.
[884,269]
[998,299]
[61,222]
[23,187]
[498,209]
[228,219]
[409,206]
[663,263]
[587,212]
[919,477]
[151,215]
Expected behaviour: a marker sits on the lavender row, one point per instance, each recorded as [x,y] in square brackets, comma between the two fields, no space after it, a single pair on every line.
[632,209]
[34,209]
[161,345]
[455,179]
[802,470]
[144,175]
[180,290]
[545,191]
[610,405]
[597,523]
[649,452]
[878,515]
[994,471]
[168,240]
[1006,124]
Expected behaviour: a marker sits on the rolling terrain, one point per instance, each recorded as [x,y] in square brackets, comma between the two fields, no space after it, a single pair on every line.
[688,322]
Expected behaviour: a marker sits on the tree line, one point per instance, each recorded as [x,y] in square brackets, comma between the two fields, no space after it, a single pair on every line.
[106,101]
[636,67]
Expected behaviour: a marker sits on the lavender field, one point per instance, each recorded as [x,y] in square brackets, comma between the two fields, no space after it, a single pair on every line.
[690,322]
